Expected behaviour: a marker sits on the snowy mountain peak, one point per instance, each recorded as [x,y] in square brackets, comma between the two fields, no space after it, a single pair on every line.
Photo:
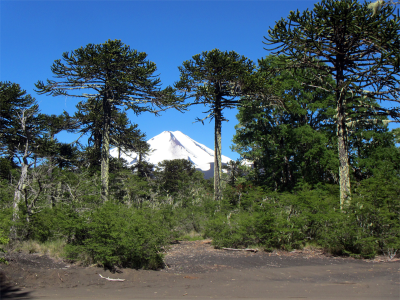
[169,145]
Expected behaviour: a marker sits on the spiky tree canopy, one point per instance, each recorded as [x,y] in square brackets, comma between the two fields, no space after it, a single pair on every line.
[113,69]
[216,79]
[13,100]
[359,47]
[23,129]
[123,134]
[347,40]
[214,74]
[114,75]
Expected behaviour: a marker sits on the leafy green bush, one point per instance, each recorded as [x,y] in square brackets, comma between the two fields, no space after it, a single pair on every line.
[275,220]
[44,225]
[6,193]
[233,230]
[3,241]
[115,235]
[371,224]
[194,215]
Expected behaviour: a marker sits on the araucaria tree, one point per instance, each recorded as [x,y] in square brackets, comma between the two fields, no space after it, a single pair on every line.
[13,101]
[23,138]
[360,48]
[216,79]
[123,135]
[113,74]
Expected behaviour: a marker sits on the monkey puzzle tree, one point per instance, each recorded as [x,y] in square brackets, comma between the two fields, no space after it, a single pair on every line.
[359,46]
[24,136]
[123,134]
[114,73]
[13,100]
[20,132]
[128,137]
[216,79]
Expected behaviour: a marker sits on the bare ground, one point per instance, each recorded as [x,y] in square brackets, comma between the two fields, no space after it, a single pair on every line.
[196,270]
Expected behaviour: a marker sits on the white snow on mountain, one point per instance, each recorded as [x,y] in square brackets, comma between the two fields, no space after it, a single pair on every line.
[169,145]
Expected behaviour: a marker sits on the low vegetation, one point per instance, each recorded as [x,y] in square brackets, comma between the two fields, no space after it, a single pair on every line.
[325,165]
[134,233]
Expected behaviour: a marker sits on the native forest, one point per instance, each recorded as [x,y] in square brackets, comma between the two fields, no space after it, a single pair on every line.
[315,115]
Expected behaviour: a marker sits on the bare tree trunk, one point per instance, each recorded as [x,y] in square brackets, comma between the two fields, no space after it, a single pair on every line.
[17,199]
[105,150]
[344,171]
[22,179]
[217,150]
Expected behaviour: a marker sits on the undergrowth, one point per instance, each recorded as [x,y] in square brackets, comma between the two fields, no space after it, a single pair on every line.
[52,248]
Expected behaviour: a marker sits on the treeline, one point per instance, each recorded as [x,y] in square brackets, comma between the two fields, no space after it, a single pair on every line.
[325,167]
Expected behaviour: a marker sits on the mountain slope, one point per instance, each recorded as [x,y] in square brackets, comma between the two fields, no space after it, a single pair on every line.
[170,145]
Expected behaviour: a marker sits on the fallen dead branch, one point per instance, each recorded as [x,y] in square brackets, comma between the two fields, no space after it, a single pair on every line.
[233,249]
[112,279]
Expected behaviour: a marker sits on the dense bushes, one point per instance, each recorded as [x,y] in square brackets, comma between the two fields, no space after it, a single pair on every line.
[273,220]
[308,211]
[130,230]
[133,229]
[311,215]
[115,235]
[3,241]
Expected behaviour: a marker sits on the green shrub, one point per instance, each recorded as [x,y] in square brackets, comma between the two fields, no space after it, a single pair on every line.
[44,226]
[273,220]
[5,219]
[3,241]
[235,230]
[193,216]
[371,225]
[6,194]
[115,235]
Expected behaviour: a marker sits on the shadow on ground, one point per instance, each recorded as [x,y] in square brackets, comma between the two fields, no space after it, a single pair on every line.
[8,291]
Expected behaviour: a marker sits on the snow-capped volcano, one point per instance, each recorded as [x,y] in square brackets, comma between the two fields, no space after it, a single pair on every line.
[169,145]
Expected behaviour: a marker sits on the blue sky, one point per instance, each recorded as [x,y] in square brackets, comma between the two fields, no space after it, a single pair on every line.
[35,33]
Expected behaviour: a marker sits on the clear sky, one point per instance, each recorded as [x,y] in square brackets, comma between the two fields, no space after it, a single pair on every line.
[35,33]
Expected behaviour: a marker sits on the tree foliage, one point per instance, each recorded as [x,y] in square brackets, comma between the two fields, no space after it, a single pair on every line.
[123,134]
[216,79]
[340,62]
[291,143]
[176,175]
[13,101]
[116,76]
[25,139]
[359,48]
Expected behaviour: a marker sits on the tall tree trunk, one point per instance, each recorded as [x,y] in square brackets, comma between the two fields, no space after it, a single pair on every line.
[217,150]
[22,179]
[98,142]
[344,170]
[17,199]
[53,192]
[343,150]
[105,150]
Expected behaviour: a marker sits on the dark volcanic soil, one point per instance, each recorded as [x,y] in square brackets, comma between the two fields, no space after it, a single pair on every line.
[196,270]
